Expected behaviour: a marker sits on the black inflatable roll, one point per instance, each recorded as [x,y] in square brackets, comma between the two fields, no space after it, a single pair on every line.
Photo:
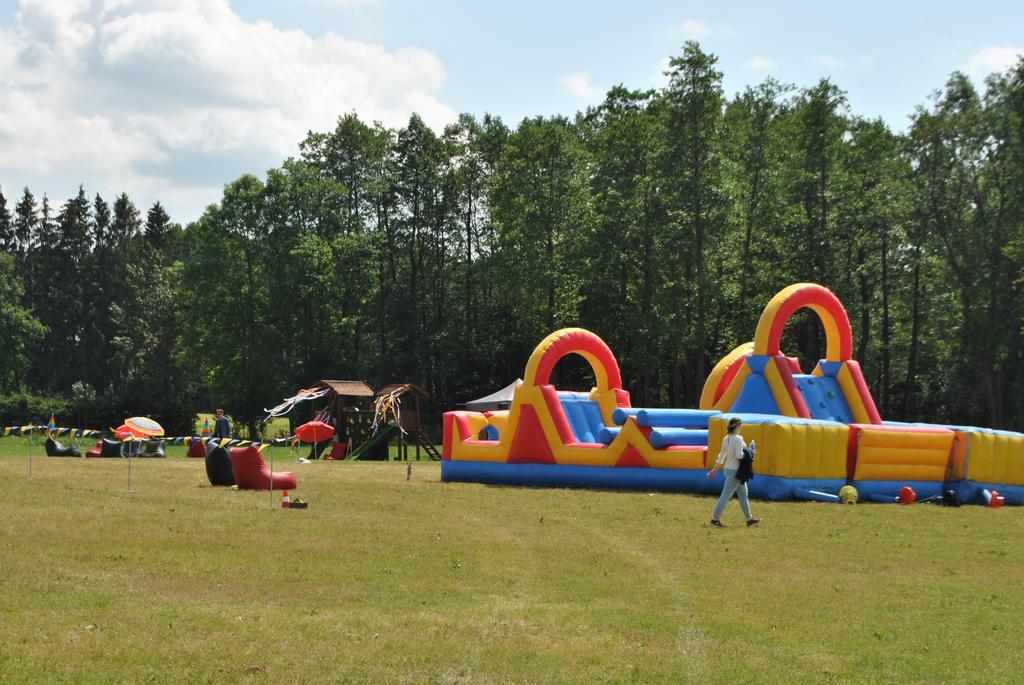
[56,449]
[153,449]
[218,466]
[110,448]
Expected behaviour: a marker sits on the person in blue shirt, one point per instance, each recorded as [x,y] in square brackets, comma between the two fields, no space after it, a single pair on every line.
[221,426]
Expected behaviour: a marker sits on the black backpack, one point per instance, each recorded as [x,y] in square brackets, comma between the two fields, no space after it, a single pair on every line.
[950,498]
[745,471]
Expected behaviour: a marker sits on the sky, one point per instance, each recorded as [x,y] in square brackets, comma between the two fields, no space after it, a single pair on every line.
[168,100]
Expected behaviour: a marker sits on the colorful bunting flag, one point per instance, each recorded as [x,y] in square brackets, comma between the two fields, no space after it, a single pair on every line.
[52,429]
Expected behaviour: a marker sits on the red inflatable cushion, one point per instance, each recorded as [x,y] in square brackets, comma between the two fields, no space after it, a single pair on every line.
[338,451]
[252,473]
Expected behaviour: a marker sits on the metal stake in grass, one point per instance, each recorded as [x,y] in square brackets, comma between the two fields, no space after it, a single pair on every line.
[30,452]
[271,478]
[130,443]
[123,443]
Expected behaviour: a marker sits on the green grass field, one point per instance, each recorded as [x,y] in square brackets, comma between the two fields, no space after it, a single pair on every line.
[383,580]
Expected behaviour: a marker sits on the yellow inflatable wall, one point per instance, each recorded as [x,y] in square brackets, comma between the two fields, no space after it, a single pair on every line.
[789,450]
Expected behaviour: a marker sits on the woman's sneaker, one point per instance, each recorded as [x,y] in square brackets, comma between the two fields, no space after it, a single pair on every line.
[752,522]
[717,523]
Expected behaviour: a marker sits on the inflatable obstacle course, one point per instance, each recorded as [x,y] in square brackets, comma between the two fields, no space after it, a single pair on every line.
[882,457]
[816,433]
[556,438]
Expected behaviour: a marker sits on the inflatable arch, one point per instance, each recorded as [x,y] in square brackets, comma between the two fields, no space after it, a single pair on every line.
[758,378]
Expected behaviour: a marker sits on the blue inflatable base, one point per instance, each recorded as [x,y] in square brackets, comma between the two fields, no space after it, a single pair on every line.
[773,488]
[889,490]
[626,478]
[970,492]
[777,488]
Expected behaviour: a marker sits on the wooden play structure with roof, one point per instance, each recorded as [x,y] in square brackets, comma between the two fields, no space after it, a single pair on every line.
[395,414]
[367,422]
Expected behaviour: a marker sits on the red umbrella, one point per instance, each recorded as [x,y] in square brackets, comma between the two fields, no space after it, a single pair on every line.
[314,431]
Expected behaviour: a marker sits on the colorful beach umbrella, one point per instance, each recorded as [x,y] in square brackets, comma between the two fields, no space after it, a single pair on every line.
[140,427]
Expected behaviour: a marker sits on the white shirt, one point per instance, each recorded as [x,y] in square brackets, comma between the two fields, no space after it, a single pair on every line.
[732,449]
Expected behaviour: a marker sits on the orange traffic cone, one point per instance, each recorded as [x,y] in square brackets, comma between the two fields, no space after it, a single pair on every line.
[286,501]
[992,498]
[997,500]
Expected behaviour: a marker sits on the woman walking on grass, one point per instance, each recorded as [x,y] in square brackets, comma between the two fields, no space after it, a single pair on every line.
[730,455]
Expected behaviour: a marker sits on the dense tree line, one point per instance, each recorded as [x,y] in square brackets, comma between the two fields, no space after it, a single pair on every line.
[89,316]
[663,220]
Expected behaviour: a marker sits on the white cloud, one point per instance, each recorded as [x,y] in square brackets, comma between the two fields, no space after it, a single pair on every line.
[660,78]
[993,59]
[759,63]
[696,29]
[127,91]
[578,84]
[827,62]
[38,139]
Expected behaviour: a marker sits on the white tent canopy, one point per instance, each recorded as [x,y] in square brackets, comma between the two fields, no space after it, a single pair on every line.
[501,399]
